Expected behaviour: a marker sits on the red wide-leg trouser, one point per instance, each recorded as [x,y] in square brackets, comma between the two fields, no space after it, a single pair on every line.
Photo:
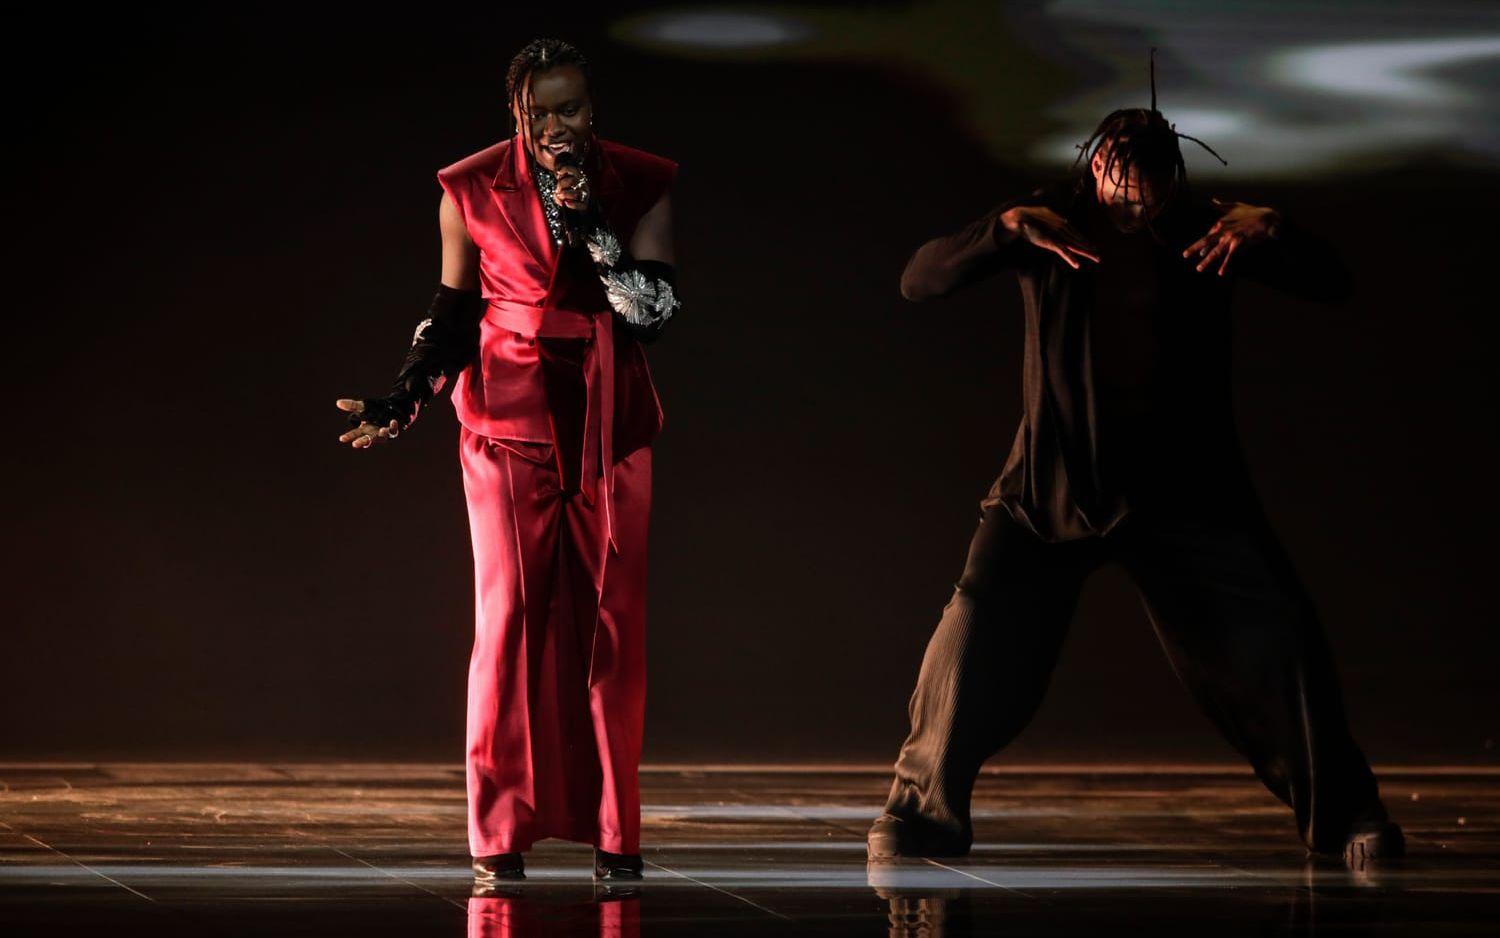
[557,680]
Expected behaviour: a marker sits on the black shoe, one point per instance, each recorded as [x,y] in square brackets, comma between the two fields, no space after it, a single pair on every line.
[502,866]
[616,891]
[1375,840]
[617,867]
[891,837]
[497,889]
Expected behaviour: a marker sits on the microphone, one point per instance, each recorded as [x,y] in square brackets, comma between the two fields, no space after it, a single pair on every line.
[574,222]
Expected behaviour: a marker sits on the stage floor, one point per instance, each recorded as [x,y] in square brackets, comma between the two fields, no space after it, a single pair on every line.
[378,849]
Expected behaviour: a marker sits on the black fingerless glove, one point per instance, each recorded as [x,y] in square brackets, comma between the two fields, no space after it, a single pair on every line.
[643,294]
[443,345]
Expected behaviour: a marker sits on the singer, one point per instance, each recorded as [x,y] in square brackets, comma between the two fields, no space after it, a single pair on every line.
[1127,453]
[557,266]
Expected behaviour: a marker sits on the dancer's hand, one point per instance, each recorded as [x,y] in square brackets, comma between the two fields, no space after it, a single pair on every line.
[1051,232]
[1241,224]
[364,435]
[572,189]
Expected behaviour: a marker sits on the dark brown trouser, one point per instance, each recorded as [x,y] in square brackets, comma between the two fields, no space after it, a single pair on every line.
[1235,622]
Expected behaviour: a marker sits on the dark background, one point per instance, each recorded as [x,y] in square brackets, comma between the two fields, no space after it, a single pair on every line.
[225,224]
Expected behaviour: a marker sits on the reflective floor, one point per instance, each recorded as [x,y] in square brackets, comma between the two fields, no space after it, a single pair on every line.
[298,849]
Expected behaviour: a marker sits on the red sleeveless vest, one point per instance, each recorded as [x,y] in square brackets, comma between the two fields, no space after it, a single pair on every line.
[532,288]
[529,293]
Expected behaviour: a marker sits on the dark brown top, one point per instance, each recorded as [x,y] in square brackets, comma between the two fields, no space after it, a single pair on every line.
[1125,375]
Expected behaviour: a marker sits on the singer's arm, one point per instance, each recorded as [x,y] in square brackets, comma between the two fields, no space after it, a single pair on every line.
[640,280]
[444,344]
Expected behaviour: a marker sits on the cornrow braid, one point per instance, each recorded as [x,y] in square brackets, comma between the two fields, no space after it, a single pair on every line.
[539,55]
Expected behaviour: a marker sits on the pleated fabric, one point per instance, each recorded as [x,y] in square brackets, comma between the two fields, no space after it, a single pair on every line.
[556,693]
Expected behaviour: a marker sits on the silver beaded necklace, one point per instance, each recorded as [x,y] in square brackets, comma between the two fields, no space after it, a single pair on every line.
[546,185]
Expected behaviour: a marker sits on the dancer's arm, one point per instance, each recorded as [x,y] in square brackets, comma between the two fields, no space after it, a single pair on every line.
[990,245]
[1258,242]
[444,343]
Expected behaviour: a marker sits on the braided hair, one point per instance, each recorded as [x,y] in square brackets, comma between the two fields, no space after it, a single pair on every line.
[1141,139]
[537,56]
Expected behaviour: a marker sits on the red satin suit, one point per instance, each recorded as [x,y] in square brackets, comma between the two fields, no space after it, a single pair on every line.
[558,413]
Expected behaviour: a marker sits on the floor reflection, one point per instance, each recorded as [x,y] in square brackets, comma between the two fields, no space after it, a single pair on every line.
[940,913]
[250,850]
[508,912]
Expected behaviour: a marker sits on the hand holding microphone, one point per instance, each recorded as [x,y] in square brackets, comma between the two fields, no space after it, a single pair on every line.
[572,193]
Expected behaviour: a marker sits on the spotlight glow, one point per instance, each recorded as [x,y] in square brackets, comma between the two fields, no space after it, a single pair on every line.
[727,30]
[1388,70]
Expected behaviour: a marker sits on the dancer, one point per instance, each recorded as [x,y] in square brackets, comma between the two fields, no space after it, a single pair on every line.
[1127,452]
[557,265]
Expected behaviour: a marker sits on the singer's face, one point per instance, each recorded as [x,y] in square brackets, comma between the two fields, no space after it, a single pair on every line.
[1130,198]
[560,115]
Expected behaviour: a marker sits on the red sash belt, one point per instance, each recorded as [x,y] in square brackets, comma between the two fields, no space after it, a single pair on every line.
[547,322]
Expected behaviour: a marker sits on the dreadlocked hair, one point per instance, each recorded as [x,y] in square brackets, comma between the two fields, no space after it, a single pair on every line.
[539,55]
[1141,139]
